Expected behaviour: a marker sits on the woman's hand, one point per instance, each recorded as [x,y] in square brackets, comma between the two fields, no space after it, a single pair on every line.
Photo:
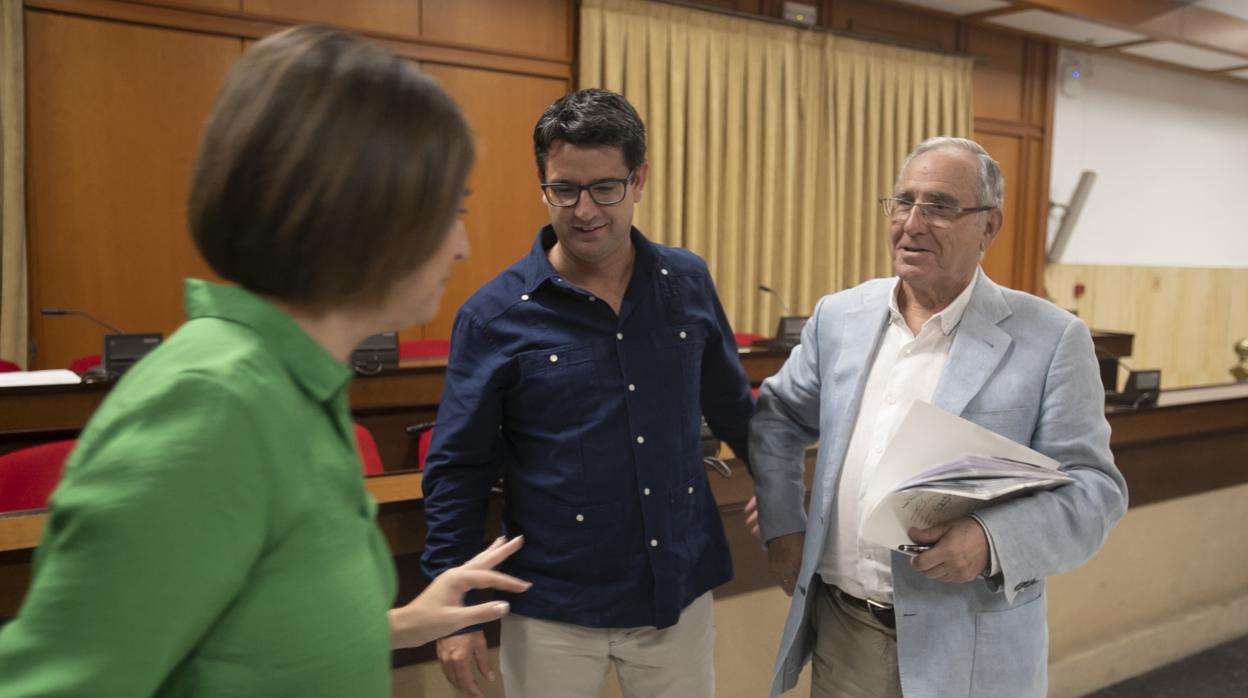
[439,611]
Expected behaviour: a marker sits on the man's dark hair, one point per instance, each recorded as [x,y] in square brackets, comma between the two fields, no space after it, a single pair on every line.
[590,118]
[330,169]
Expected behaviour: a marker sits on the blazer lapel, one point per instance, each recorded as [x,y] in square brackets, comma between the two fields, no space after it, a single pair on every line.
[978,347]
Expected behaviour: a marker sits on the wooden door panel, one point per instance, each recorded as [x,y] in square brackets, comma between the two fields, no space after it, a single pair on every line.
[504,208]
[115,113]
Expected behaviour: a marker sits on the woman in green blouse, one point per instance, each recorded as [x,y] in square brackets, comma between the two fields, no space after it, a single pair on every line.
[212,534]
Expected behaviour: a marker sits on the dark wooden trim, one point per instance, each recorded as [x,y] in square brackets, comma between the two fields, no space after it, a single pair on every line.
[247,26]
[1001,127]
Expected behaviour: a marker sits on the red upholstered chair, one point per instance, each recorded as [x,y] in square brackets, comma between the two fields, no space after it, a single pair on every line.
[368,451]
[425,349]
[28,475]
[745,339]
[82,364]
[424,435]
[8,366]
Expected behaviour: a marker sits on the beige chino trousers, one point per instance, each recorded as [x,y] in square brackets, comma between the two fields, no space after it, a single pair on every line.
[545,659]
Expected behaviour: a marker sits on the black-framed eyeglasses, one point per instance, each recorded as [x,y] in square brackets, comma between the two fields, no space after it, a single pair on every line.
[898,210]
[604,192]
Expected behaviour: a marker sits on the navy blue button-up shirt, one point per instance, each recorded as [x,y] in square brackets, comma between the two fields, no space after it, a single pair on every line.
[594,420]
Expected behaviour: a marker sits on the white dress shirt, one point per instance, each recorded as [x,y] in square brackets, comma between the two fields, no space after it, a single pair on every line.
[906,368]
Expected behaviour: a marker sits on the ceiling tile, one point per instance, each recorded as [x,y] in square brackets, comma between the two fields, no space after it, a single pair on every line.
[1182,54]
[959,7]
[1237,8]
[1070,29]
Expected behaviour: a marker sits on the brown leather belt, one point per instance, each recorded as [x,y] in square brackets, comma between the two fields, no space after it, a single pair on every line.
[882,613]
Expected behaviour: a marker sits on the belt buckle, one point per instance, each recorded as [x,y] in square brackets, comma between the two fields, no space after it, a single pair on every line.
[881,612]
[877,607]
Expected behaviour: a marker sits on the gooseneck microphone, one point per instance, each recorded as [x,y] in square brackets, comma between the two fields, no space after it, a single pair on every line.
[767,289]
[79,313]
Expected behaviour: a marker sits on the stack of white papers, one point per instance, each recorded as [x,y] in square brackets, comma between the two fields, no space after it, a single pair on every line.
[939,466]
[56,376]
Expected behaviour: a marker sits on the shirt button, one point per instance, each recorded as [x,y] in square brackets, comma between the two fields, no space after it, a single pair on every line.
[654,543]
[554,358]
[891,398]
[525,297]
[641,439]
[632,388]
[619,335]
[580,517]
[682,334]
[646,491]
[879,448]
[663,272]
[690,490]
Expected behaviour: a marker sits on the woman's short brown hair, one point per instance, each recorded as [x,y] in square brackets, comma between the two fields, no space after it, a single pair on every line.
[330,168]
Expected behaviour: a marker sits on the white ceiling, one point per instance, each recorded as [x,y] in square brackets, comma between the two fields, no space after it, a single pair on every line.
[1182,54]
[1070,29]
[1238,8]
[959,7]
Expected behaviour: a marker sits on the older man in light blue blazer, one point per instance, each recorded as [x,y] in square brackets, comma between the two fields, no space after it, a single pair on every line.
[967,617]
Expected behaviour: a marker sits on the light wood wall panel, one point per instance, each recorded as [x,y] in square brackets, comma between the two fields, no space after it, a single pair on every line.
[1185,320]
[401,17]
[540,28]
[504,208]
[115,115]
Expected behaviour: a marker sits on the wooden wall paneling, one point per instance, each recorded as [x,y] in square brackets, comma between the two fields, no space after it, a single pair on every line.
[538,28]
[394,17]
[910,25]
[504,208]
[998,78]
[1008,150]
[1185,320]
[115,114]
[230,5]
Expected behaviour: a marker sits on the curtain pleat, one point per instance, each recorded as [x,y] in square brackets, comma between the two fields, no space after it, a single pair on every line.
[14,327]
[769,145]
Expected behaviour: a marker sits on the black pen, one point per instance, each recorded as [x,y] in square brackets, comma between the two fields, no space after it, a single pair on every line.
[914,548]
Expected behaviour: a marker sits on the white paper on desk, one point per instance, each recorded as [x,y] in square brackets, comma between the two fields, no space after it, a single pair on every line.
[929,436]
[56,376]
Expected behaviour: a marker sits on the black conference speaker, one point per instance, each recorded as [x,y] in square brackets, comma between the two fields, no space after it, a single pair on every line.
[121,351]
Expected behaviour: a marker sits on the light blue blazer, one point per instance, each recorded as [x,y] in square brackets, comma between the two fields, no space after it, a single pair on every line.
[1019,366]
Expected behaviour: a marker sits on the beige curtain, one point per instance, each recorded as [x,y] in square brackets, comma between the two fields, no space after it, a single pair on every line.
[769,145]
[13,321]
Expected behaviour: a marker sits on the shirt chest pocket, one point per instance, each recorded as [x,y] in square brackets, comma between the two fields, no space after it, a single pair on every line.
[556,385]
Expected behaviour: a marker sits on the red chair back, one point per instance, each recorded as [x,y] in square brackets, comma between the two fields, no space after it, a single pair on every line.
[8,366]
[368,451]
[422,447]
[82,364]
[425,349]
[745,339]
[28,475]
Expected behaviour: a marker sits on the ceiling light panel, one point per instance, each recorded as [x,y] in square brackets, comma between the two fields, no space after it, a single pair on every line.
[959,7]
[1182,54]
[1074,30]
[1236,8]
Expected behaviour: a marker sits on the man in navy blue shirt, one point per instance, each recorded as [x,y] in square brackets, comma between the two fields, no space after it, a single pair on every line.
[581,373]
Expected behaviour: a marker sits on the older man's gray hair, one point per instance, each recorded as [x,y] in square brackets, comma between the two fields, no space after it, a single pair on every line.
[990,189]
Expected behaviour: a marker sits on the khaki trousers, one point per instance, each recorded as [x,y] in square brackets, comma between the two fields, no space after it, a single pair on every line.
[855,654]
[545,659]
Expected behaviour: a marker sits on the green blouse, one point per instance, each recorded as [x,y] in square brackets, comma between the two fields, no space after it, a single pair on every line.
[212,534]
